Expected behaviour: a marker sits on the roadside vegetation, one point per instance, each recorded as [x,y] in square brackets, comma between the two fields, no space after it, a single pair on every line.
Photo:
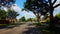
[49,24]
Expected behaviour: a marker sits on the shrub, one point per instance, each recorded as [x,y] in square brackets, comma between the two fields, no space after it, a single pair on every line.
[12,23]
[48,21]
[4,25]
[37,24]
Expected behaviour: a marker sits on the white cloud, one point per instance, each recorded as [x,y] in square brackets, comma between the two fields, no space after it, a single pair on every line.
[28,14]
[23,13]
[16,8]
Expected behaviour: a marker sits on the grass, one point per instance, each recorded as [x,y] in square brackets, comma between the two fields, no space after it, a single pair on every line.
[3,25]
[12,23]
[47,31]
[44,31]
[37,24]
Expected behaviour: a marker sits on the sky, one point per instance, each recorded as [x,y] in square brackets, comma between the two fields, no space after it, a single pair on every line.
[20,5]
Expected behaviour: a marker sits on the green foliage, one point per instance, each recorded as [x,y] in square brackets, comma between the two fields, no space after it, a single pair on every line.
[44,31]
[12,23]
[29,19]
[32,5]
[37,24]
[12,14]
[48,21]
[4,25]
[38,7]
[22,19]
[57,16]
[2,14]
[8,2]
[57,19]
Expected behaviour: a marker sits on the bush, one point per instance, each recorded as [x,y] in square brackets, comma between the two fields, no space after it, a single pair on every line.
[48,21]
[12,23]
[4,25]
[37,24]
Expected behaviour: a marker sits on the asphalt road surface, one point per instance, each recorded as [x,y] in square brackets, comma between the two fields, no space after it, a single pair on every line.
[18,29]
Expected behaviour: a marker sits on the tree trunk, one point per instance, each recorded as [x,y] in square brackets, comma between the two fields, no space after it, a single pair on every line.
[51,15]
[38,18]
[51,19]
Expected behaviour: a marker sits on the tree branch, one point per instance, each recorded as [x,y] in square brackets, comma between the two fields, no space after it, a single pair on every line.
[56,5]
[34,13]
[49,2]
[54,2]
[46,1]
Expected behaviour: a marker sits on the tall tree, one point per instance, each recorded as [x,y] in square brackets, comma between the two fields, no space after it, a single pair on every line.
[12,14]
[42,7]
[38,7]
[51,10]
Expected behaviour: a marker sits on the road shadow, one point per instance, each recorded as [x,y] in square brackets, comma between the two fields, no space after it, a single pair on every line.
[3,27]
[9,27]
[32,30]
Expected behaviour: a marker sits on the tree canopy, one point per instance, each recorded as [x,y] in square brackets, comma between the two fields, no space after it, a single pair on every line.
[12,14]
[3,14]
[36,6]
[42,7]
[6,2]
[22,19]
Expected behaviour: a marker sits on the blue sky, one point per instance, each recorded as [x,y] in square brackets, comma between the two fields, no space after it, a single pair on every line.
[20,4]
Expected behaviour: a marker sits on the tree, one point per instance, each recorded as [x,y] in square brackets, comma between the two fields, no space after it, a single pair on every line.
[3,15]
[43,6]
[6,2]
[51,10]
[38,7]
[29,19]
[22,19]
[12,14]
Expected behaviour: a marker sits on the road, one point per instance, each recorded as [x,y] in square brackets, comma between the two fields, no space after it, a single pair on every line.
[17,30]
